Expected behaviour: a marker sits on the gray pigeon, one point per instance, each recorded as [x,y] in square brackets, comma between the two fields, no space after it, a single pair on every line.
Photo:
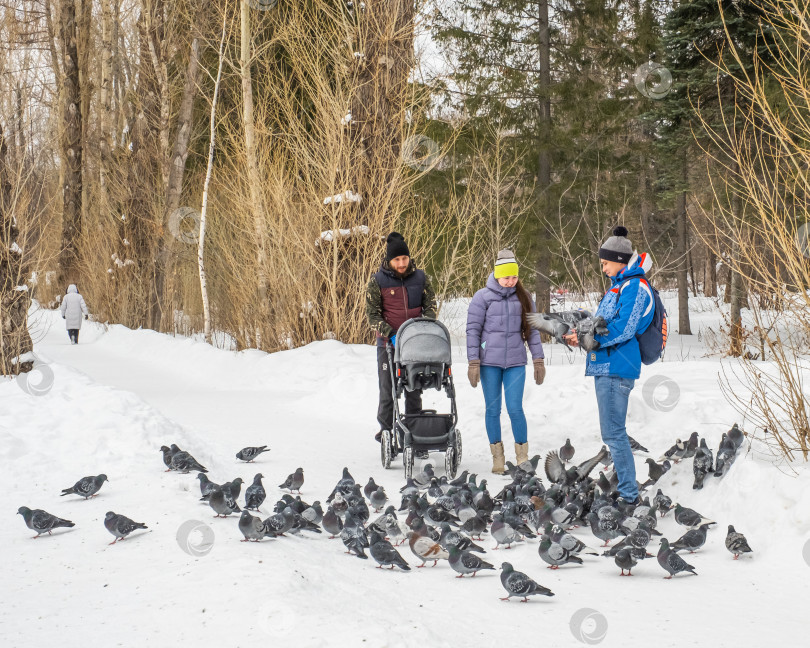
[279,523]
[121,526]
[251,527]
[251,452]
[689,517]
[736,435]
[294,481]
[255,494]
[555,555]
[167,456]
[671,561]
[206,486]
[314,513]
[354,536]
[384,553]
[450,538]
[332,523]
[503,533]
[567,451]
[344,485]
[86,487]
[567,541]
[222,502]
[183,462]
[691,446]
[736,542]
[702,464]
[624,559]
[635,445]
[726,454]
[662,503]
[519,584]
[656,470]
[42,521]
[369,488]
[692,540]
[378,499]
[675,453]
[465,562]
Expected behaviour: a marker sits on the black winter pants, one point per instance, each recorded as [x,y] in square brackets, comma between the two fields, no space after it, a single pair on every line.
[73,334]
[385,411]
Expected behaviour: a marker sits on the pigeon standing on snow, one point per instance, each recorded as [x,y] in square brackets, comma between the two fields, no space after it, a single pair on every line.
[167,457]
[120,525]
[222,502]
[384,553]
[555,554]
[691,446]
[692,540]
[378,499]
[726,454]
[703,464]
[369,488]
[251,452]
[42,521]
[624,559]
[671,561]
[255,494]
[206,486]
[736,435]
[344,486]
[662,503]
[736,542]
[689,517]
[294,481]
[465,562]
[567,451]
[251,527]
[183,462]
[519,584]
[332,523]
[313,513]
[86,486]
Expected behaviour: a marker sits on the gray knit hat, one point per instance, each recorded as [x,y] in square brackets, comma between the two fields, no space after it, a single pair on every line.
[618,247]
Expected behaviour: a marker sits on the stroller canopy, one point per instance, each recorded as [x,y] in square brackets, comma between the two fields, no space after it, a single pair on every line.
[423,341]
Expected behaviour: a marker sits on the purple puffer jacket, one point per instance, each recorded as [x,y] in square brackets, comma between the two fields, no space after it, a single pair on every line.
[493,328]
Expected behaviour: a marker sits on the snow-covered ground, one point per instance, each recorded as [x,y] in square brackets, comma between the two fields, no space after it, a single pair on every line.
[111,402]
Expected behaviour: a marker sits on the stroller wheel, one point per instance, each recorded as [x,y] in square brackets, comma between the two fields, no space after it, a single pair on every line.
[458,448]
[407,459]
[385,449]
[450,463]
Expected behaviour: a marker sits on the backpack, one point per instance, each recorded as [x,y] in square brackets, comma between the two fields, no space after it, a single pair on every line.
[652,342]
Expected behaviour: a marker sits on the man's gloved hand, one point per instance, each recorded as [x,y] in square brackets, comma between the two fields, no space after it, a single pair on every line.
[474,372]
[539,371]
[394,340]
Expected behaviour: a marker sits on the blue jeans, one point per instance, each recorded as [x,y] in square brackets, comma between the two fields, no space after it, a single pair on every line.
[493,381]
[612,394]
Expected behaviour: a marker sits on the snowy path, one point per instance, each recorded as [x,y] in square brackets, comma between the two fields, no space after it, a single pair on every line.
[121,394]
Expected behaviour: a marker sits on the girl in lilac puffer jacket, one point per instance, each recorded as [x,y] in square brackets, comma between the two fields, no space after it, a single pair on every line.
[497,334]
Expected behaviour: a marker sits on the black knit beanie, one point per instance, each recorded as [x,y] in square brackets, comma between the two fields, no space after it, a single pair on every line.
[395,246]
[618,247]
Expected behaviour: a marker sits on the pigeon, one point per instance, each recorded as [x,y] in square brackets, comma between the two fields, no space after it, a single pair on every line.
[656,470]
[692,540]
[278,523]
[624,559]
[344,485]
[42,521]
[255,494]
[332,523]
[354,536]
[555,555]
[234,487]
[410,488]
[121,526]
[167,456]
[369,488]
[736,435]
[313,513]
[503,533]
[519,584]
[450,538]
[251,452]
[567,541]
[299,522]
[206,486]
[465,562]
[691,446]
[567,451]
[475,526]
[675,453]
[86,487]
[183,462]
[671,561]
[605,529]
[251,527]
[294,481]
[635,445]
[689,517]
[424,547]
[378,499]
[662,503]
[702,464]
[222,502]
[384,553]
[736,542]
[461,479]
[726,454]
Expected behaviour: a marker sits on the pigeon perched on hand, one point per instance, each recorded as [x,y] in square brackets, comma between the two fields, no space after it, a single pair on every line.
[736,542]
[86,487]
[519,584]
[465,562]
[222,502]
[251,452]
[294,481]
[121,526]
[42,521]
[255,494]
[671,561]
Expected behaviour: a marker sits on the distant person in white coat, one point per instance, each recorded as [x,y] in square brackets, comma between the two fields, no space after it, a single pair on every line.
[72,308]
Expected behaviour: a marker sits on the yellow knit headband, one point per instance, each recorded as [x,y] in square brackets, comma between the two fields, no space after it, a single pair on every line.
[506,268]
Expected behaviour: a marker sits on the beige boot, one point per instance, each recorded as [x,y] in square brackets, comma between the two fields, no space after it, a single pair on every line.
[497,458]
[521,453]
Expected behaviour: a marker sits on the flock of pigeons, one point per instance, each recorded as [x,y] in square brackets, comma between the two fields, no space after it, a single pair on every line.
[443,520]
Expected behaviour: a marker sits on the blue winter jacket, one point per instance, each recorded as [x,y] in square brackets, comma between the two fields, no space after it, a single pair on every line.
[628,309]
[493,328]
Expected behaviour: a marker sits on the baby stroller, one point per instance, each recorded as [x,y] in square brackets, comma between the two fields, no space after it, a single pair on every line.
[422,360]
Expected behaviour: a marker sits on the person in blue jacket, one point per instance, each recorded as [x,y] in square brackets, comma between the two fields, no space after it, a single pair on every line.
[614,359]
